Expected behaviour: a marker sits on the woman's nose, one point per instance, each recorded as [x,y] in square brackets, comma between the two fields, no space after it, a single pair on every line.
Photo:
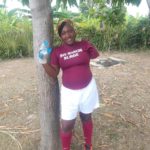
[68,35]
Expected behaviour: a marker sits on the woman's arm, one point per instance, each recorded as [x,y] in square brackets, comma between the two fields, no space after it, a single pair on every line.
[52,71]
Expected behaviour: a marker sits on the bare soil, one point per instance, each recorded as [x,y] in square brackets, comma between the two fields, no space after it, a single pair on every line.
[121,123]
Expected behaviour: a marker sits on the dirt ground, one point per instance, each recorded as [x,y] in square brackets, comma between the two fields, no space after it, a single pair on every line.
[121,123]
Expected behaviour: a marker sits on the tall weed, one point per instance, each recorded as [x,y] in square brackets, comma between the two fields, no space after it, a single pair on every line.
[15,36]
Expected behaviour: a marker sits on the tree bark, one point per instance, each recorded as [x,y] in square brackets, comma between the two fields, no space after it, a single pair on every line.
[48,87]
[148,4]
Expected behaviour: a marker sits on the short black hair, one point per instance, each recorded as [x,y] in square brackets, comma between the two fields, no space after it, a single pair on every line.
[62,24]
[60,28]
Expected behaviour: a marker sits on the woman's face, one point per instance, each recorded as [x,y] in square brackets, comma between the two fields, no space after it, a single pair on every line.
[68,34]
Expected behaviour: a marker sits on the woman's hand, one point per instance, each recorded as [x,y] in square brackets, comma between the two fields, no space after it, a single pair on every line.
[52,71]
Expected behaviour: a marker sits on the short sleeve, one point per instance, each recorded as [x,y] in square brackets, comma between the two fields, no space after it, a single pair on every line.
[93,52]
[54,58]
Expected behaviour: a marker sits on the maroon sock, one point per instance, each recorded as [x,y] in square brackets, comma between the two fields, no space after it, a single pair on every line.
[66,140]
[88,130]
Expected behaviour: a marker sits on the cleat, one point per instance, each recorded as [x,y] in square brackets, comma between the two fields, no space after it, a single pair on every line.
[88,147]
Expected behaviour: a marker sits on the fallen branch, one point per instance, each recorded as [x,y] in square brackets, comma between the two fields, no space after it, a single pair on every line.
[100,146]
[124,118]
[116,103]
[137,109]
[109,115]
[146,116]
[24,130]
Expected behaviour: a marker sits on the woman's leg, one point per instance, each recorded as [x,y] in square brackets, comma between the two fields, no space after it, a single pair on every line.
[87,125]
[66,133]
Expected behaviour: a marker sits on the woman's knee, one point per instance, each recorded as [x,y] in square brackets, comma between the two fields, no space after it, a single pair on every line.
[85,117]
[67,125]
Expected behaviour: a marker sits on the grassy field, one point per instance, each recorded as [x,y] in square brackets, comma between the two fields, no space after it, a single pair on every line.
[121,123]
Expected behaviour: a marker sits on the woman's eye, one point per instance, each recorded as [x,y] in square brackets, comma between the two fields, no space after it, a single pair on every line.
[67,32]
[70,31]
[62,33]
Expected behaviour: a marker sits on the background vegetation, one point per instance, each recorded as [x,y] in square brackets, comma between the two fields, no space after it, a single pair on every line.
[15,35]
[108,28]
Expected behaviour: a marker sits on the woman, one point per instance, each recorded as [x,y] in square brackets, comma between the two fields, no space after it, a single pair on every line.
[78,90]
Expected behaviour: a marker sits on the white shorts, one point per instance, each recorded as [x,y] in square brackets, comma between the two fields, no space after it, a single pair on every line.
[84,100]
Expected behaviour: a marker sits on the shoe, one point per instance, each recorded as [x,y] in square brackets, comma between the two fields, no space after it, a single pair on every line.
[88,147]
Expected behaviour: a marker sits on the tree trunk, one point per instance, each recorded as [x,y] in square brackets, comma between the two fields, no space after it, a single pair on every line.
[148,4]
[48,87]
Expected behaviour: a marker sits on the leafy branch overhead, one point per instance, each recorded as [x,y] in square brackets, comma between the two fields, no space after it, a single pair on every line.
[64,3]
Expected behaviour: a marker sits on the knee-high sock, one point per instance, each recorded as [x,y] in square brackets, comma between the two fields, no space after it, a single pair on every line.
[66,139]
[88,131]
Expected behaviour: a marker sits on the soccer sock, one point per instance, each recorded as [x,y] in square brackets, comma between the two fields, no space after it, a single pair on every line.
[88,130]
[66,139]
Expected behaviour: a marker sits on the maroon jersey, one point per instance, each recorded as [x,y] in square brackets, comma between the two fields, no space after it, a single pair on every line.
[74,61]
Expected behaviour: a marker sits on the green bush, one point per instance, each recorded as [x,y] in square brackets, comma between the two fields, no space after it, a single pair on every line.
[15,36]
[136,34]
